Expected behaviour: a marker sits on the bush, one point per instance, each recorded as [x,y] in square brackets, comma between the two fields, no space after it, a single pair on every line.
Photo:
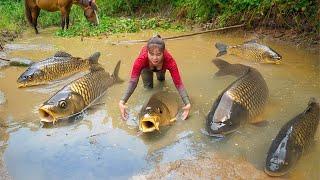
[296,14]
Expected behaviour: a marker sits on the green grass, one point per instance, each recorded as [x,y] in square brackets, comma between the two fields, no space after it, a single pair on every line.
[12,15]
[14,18]
[117,16]
[112,25]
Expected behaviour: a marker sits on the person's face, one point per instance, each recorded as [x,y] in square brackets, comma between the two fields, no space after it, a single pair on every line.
[155,55]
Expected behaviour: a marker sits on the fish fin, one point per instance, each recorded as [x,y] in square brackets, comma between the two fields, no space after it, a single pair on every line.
[260,123]
[93,59]
[62,54]
[226,68]
[92,106]
[96,67]
[139,133]
[222,65]
[115,73]
[251,41]
[222,49]
[312,100]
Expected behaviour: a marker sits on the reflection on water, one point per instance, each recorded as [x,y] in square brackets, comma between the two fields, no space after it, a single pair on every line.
[100,145]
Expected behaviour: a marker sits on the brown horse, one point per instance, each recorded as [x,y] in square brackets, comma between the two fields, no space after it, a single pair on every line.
[33,9]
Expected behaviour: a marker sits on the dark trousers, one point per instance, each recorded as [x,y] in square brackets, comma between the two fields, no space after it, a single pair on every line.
[147,77]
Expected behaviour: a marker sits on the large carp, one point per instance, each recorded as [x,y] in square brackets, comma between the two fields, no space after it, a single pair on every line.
[250,50]
[79,94]
[60,65]
[244,99]
[160,110]
[292,140]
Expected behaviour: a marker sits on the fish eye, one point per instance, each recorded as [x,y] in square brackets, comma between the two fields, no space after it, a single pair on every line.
[62,104]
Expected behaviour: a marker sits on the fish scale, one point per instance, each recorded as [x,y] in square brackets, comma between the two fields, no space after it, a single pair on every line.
[242,100]
[160,110]
[247,92]
[292,140]
[79,94]
[85,85]
[250,50]
[304,130]
[54,68]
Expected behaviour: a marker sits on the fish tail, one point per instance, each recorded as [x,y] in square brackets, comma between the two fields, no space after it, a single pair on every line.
[226,68]
[115,73]
[222,49]
[312,100]
[93,59]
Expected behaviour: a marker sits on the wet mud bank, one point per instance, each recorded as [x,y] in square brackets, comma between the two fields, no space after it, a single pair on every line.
[6,36]
[4,175]
[3,170]
[309,41]
[210,166]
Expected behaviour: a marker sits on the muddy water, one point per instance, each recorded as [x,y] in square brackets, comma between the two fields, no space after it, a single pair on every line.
[99,145]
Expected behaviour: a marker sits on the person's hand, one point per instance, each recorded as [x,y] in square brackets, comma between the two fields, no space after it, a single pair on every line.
[186,110]
[123,110]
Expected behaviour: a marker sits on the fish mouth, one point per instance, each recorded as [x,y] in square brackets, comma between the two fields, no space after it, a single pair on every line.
[275,174]
[278,61]
[46,115]
[149,124]
[21,85]
[28,84]
[273,61]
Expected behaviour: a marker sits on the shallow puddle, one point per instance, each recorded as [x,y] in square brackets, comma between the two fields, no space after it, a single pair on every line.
[99,145]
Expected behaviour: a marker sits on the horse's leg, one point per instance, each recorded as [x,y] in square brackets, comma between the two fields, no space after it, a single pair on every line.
[35,14]
[63,19]
[68,9]
[67,23]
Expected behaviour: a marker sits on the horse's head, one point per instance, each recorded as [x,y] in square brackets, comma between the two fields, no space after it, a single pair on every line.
[91,11]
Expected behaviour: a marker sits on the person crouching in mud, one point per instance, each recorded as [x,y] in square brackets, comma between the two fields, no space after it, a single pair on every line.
[154,58]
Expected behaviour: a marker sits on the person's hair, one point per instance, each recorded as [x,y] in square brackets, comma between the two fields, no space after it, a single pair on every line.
[158,41]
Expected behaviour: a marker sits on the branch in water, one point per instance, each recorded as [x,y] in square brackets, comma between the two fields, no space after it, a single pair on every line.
[184,35]
[4,59]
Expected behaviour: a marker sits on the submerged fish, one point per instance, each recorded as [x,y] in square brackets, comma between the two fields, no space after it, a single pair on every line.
[79,94]
[292,140]
[250,50]
[60,65]
[160,110]
[244,99]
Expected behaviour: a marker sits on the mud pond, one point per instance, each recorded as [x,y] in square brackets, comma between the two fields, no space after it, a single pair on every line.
[99,145]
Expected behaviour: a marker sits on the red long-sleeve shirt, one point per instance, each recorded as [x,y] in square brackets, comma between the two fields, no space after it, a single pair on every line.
[142,62]
[168,64]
